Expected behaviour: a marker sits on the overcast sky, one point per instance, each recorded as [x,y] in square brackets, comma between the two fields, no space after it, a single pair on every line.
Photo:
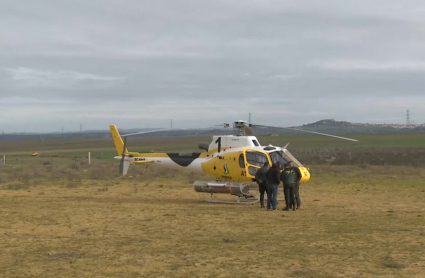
[138,63]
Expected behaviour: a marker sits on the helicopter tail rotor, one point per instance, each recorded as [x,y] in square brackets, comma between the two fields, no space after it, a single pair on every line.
[123,163]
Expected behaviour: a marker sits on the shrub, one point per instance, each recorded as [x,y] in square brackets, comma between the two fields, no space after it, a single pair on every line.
[56,173]
[74,175]
[37,172]
[26,177]
[104,172]
[73,184]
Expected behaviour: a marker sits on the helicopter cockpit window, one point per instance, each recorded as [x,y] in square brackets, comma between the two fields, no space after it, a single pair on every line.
[255,142]
[256,159]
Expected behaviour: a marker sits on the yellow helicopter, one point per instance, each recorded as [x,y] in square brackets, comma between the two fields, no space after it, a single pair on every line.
[232,160]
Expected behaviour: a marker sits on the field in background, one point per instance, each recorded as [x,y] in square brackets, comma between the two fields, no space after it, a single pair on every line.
[407,149]
[191,143]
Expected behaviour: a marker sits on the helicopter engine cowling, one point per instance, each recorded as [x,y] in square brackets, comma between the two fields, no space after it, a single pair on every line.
[234,188]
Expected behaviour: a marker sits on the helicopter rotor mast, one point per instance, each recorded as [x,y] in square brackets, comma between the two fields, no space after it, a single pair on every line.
[241,127]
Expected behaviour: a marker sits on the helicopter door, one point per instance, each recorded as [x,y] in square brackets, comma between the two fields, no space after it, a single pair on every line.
[255,160]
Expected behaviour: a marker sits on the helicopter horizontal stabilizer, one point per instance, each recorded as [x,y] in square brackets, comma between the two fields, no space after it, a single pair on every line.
[142,162]
[134,160]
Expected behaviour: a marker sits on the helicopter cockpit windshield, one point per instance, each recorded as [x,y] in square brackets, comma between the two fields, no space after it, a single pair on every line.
[256,159]
[284,156]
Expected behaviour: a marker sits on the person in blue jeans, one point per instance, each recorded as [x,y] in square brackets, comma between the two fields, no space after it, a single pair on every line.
[273,180]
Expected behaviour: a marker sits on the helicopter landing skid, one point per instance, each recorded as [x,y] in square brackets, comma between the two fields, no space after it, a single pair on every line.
[238,189]
[241,200]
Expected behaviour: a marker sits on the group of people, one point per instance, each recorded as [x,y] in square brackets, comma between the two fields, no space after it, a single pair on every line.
[269,178]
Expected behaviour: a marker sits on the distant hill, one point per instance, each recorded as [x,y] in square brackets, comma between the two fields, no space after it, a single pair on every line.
[341,127]
[324,126]
[331,126]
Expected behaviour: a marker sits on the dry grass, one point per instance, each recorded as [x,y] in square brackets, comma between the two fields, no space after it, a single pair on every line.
[355,221]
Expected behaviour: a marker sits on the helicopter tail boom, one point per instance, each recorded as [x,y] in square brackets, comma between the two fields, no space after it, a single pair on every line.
[118,142]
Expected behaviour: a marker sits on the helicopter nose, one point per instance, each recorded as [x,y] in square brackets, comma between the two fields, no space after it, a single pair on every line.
[305,173]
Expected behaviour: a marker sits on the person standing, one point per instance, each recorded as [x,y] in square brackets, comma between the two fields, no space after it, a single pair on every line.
[281,179]
[288,177]
[273,180]
[297,185]
[261,178]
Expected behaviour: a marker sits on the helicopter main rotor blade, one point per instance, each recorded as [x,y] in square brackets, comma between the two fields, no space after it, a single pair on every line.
[147,131]
[123,156]
[308,131]
[166,129]
[324,134]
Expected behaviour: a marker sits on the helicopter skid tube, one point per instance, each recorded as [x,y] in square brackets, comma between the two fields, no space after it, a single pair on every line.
[234,188]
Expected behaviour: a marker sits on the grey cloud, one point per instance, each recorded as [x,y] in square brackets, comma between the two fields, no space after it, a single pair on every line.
[142,63]
[34,78]
[368,65]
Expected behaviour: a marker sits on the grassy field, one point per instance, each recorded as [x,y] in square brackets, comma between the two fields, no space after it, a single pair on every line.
[79,221]
[147,144]
[387,149]
[61,217]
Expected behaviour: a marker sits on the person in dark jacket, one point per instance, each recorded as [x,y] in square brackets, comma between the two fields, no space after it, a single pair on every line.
[261,178]
[273,180]
[290,177]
